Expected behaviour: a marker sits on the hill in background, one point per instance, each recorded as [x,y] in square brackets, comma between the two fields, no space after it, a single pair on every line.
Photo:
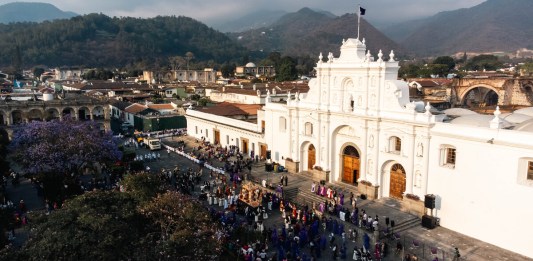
[495,25]
[308,32]
[253,20]
[98,40]
[31,12]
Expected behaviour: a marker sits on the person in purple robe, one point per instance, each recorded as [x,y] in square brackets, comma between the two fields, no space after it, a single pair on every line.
[318,190]
[342,199]
[321,207]
[323,191]
[274,236]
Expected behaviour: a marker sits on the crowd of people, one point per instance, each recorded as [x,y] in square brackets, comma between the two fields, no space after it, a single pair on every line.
[306,233]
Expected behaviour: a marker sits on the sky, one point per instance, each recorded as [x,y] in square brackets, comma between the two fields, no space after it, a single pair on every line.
[216,11]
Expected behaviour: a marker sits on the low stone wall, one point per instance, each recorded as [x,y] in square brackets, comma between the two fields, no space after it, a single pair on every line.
[370,191]
[319,175]
[292,166]
[412,206]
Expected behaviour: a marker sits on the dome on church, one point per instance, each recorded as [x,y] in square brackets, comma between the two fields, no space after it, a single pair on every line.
[457,112]
[526,111]
[478,120]
[525,126]
[515,118]
[250,65]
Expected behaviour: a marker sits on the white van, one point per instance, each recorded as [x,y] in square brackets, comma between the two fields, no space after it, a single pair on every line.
[153,144]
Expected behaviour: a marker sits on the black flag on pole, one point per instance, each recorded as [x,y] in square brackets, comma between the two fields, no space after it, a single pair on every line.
[362,11]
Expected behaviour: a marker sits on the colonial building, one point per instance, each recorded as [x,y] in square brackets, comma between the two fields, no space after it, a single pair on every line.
[228,124]
[47,107]
[250,69]
[356,125]
[207,75]
[256,93]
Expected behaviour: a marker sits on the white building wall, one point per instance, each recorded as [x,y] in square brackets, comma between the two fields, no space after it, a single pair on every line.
[482,196]
[232,131]
[276,137]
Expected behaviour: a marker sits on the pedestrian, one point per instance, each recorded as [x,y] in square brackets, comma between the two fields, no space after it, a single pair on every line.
[168,152]
[335,251]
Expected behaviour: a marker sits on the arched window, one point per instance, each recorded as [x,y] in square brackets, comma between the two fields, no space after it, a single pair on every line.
[398,168]
[282,124]
[395,144]
[308,129]
[351,151]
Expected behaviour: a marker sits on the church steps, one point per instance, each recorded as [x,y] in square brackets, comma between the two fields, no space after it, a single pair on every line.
[406,225]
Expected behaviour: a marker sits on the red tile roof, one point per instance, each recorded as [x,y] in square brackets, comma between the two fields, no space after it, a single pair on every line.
[161,106]
[135,108]
[232,109]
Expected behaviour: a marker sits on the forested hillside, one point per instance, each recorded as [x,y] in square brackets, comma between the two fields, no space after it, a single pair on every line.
[308,32]
[99,40]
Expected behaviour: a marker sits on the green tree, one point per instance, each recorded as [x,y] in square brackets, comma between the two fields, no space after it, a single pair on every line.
[38,71]
[527,68]
[227,70]
[143,186]
[188,57]
[446,60]
[440,70]
[203,101]
[94,226]
[183,229]
[483,62]
[286,70]
[409,71]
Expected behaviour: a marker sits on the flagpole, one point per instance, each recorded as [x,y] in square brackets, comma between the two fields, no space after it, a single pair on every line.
[358,21]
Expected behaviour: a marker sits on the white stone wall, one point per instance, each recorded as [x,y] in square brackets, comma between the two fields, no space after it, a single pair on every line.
[483,195]
[232,131]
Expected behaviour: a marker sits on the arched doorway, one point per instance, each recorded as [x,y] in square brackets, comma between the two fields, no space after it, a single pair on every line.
[34,115]
[397,181]
[17,117]
[350,165]
[51,114]
[84,114]
[68,113]
[311,157]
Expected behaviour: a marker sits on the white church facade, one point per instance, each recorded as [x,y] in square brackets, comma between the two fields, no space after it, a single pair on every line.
[357,125]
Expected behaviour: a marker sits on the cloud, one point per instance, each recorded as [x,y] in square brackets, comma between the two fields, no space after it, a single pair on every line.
[210,11]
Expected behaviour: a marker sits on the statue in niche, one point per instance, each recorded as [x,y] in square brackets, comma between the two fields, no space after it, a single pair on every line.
[420,150]
[418,179]
[370,167]
[371,141]
[372,100]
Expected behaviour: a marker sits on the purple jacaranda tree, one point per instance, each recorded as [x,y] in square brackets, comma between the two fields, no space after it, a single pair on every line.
[62,147]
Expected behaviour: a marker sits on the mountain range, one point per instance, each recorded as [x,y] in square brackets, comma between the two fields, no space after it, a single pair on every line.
[308,32]
[99,40]
[494,25]
[31,12]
